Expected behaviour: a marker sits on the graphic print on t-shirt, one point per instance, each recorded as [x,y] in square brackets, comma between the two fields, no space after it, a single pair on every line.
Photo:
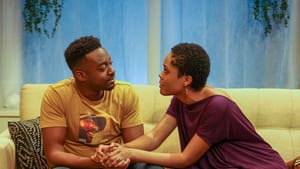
[89,125]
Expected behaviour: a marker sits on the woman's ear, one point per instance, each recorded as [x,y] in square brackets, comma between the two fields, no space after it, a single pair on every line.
[188,80]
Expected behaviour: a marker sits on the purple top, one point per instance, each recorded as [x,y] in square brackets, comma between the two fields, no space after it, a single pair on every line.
[233,139]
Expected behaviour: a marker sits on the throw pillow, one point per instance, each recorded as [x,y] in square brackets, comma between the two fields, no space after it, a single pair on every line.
[28,142]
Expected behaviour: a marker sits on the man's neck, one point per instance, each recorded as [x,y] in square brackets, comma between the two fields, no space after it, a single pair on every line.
[88,93]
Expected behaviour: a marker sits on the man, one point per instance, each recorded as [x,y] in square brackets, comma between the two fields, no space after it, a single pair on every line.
[89,109]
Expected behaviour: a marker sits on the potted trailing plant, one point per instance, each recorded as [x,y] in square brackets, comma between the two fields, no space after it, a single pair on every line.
[271,12]
[36,16]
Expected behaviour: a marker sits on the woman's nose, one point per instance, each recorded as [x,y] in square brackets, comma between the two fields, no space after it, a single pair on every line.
[160,76]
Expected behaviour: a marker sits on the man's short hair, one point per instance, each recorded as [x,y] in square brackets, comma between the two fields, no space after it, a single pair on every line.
[79,48]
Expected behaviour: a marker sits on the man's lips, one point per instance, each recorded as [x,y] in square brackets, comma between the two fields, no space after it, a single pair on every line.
[112,80]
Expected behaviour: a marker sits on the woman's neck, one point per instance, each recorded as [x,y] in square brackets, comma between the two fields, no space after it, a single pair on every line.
[191,96]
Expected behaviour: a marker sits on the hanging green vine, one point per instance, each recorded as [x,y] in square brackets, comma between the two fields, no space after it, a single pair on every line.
[271,12]
[36,16]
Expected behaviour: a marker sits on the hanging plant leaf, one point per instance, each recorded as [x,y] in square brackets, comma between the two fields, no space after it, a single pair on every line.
[270,13]
[36,16]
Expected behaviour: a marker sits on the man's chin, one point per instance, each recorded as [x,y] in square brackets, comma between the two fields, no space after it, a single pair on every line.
[111,87]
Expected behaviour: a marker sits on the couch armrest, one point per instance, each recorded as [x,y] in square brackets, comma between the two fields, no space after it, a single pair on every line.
[7,151]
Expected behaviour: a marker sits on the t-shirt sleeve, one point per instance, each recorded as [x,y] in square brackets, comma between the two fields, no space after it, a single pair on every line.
[131,116]
[52,114]
[215,126]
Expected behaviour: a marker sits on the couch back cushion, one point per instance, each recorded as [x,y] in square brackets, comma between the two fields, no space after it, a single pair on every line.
[270,108]
[152,104]
[152,107]
[30,103]
[275,113]
[267,108]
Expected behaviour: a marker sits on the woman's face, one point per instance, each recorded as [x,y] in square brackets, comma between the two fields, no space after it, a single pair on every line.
[170,83]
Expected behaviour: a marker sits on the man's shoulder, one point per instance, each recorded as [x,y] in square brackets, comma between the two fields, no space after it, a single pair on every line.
[63,85]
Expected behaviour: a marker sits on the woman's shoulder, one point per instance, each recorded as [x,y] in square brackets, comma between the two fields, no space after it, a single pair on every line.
[211,91]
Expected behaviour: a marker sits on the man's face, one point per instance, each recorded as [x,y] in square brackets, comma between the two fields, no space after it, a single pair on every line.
[170,83]
[98,69]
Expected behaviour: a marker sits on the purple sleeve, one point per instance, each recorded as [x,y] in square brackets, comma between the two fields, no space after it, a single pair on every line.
[214,124]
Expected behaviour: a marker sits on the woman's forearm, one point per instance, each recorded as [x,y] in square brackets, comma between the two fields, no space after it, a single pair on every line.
[156,136]
[145,142]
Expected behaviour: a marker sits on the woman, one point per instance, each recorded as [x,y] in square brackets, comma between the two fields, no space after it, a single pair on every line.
[214,133]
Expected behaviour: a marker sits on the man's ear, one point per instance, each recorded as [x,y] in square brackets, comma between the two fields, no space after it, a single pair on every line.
[79,75]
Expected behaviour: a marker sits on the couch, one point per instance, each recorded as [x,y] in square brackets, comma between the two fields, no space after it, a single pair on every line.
[275,113]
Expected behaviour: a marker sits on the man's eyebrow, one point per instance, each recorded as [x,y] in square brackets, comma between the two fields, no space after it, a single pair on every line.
[102,62]
[105,61]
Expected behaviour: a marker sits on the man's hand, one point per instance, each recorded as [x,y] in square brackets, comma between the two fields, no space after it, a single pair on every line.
[101,154]
[104,157]
[119,157]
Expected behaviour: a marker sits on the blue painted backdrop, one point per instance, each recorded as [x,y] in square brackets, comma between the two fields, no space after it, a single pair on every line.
[241,55]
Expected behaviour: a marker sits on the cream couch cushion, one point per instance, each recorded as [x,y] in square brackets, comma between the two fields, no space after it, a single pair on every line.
[7,149]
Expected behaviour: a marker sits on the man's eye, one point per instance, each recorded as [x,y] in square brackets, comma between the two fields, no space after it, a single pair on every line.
[102,67]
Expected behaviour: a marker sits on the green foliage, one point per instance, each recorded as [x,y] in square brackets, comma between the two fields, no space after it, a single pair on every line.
[271,12]
[36,16]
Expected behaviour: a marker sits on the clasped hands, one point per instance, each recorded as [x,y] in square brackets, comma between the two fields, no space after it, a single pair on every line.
[111,156]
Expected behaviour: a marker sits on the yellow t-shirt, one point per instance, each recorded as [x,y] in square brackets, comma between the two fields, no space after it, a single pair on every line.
[89,123]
